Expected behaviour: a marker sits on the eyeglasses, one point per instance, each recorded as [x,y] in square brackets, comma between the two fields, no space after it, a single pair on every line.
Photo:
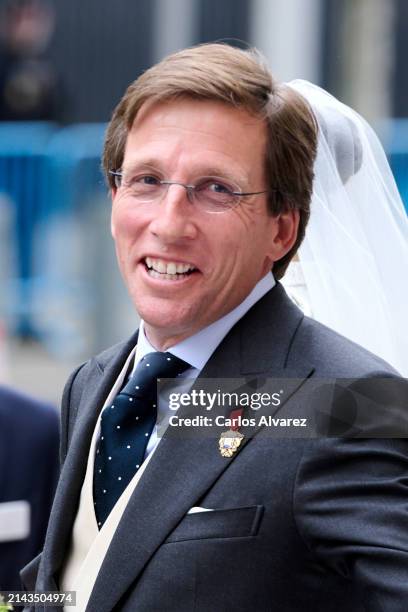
[210,193]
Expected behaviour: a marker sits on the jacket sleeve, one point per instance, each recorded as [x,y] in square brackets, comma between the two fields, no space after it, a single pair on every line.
[29,573]
[351,508]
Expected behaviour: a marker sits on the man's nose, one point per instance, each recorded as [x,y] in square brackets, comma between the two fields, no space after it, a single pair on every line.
[173,218]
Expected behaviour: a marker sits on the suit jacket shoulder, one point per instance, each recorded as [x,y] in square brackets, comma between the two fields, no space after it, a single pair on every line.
[83,377]
[334,355]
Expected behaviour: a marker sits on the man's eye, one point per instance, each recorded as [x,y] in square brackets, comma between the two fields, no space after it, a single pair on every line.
[216,187]
[146,179]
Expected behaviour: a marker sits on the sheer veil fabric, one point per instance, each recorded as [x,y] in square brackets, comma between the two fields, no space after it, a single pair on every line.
[354,258]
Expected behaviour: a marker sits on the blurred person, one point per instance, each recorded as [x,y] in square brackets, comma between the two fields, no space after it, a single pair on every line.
[210,164]
[29,84]
[29,439]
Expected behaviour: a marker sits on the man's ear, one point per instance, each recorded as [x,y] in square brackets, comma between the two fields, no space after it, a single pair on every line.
[285,233]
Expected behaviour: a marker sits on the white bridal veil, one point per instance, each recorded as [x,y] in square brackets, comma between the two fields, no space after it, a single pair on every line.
[354,258]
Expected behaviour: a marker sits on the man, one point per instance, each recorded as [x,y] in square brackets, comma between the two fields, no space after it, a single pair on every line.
[29,440]
[210,165]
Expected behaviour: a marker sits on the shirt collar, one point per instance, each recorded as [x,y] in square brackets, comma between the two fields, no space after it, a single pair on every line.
[198,348]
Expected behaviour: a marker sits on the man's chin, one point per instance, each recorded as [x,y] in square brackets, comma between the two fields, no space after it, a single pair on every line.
[166,324]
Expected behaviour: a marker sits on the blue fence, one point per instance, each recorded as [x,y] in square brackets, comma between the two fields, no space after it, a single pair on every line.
[396,143]
[46,173]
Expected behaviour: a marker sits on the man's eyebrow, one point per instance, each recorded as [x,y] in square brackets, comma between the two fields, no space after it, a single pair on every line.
[223,173]
[195,171]
[141,165]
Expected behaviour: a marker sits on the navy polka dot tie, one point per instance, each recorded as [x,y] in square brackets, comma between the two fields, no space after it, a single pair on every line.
[126,426]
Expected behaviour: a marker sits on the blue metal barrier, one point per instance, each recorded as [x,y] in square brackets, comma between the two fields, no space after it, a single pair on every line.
[23,179]
[73,163]
[45,172]
[396,143]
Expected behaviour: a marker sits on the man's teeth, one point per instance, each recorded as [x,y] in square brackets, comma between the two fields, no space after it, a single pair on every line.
[158,268]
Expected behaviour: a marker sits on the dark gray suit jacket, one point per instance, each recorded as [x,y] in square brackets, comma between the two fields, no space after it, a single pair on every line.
[299,524]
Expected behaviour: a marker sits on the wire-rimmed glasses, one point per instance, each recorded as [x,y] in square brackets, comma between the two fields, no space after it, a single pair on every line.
[209,193]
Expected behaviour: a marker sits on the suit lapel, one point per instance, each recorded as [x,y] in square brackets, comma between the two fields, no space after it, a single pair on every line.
[183,469]
[65,506]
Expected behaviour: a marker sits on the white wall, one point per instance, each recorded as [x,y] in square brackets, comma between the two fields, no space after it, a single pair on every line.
[175,22]
[288,34]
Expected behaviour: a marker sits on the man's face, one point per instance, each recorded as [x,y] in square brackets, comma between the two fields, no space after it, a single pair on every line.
[229,252]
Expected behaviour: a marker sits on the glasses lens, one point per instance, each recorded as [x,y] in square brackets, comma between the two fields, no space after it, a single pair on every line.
[145,188]
[215,195]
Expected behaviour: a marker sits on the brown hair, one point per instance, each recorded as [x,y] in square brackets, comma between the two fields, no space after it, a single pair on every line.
[241,79]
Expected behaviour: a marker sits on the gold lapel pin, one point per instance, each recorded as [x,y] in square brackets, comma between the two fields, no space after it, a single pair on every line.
[229,442]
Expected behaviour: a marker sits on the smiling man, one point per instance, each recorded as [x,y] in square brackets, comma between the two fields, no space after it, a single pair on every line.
[210,165]
[186,253]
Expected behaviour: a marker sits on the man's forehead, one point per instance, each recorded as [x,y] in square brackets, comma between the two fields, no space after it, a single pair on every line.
[156,109]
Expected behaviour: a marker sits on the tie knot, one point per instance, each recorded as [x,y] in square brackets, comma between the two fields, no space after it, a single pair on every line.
[162,364]
[151,367]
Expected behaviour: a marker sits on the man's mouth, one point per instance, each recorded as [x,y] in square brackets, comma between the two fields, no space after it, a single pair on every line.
[168,270]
